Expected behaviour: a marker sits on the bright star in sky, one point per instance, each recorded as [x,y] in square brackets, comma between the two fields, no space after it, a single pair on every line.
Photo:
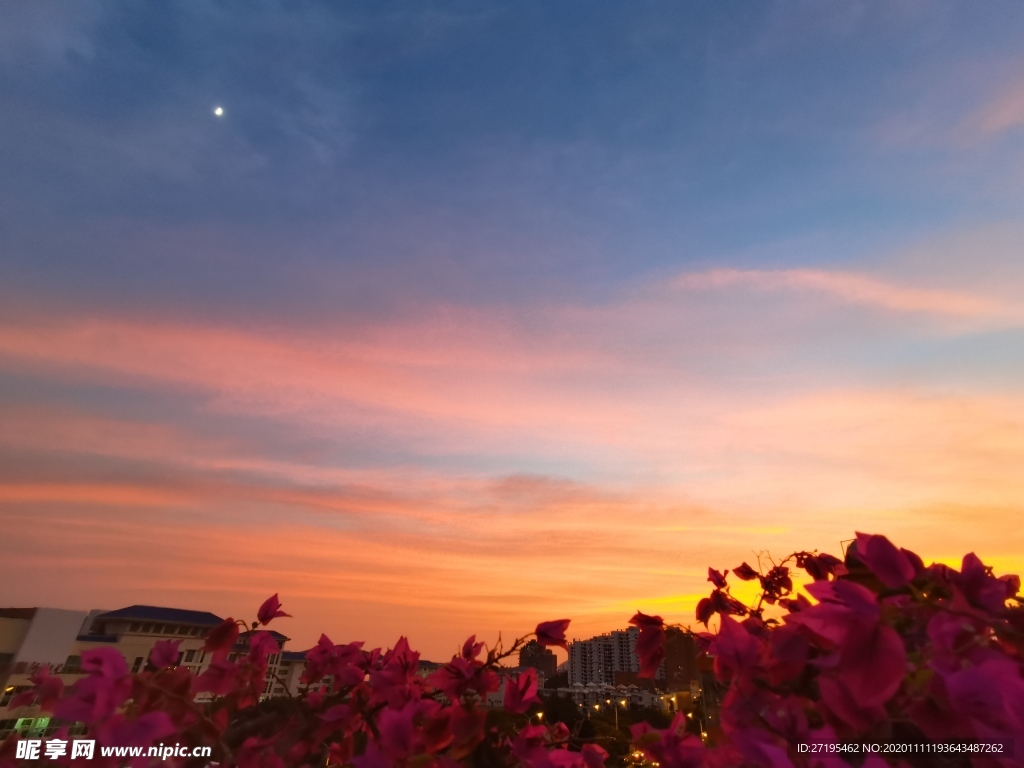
[218,111]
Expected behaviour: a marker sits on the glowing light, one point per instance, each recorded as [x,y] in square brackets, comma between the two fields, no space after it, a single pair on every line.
[218,111]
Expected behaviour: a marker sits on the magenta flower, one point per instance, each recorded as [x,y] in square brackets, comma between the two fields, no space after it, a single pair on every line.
[872,664]
[221,639]
[270,610]
[735,650]
[551,634]
[105,662]
[471,648]
[95,698]
[650,646]
[165,654]
[672,747]
[341,661]
[396,682]
[467,729]
[48,689]
[521,691]
[892,566]
[980,587]
[219,678]
[397,732]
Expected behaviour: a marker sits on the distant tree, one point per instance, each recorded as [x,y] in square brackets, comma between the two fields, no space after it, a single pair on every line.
[561,680]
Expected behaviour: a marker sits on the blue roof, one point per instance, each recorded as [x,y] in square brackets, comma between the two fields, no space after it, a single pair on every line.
[98,638]
[154,613]
[293,656]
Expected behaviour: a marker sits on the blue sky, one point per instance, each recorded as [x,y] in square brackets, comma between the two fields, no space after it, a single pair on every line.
[750,262]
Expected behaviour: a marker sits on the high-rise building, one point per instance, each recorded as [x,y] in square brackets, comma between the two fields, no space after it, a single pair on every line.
[533,654]
[680,660]
[598,659]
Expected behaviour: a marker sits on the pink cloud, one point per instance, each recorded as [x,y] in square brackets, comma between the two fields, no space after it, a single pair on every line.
[676,463]
[855,288]
[1002,113]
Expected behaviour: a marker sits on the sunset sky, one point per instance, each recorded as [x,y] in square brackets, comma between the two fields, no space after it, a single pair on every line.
[465,316]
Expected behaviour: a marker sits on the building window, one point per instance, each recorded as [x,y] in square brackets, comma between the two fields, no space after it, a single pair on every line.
[183,630]
[195,631]
[190,656]
[73,664]
[158,629]
[138,664]
[7,695]
[146,629]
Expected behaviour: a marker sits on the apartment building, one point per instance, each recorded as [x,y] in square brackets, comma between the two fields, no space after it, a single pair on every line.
[598,659]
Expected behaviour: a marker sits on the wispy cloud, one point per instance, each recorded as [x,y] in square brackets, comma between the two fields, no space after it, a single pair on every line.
[600,427]
[1002,113]
[858,288]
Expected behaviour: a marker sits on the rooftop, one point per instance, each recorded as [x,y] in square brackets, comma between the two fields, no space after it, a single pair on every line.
[155,613]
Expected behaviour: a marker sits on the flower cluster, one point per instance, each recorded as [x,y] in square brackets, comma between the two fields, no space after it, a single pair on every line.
[874,648]
[880,649]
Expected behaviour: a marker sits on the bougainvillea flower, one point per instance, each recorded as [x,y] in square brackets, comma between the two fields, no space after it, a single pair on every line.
[705,610]
[672,747]
[397,732]
[736,651]
[892,566]
[594,756]
[650,645]
[551,634]
[990,697]
[455,678]
[262,645]
[48,689]
[471,648]
[221,639]
[396,681]
[340,661]
[745,572]
[165,654]
[270,610]
[529,748]
[722,602]
[980,587]
[521,692]
[218,678]
[872,664]
[105,662]
[838,701]
[467,729]
[717,578]
[93,699]
[820,567]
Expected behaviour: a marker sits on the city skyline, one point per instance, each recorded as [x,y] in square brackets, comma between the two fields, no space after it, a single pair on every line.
[462,317]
